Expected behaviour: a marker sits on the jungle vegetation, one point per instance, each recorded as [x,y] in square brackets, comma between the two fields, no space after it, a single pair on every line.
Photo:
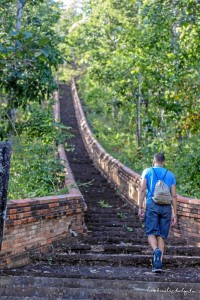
[29,57]
[139,63]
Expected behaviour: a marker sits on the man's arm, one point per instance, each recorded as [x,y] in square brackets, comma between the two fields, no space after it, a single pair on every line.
[141,197]
[174,205]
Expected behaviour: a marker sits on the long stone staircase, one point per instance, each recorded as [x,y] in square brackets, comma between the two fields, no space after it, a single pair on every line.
[111,262]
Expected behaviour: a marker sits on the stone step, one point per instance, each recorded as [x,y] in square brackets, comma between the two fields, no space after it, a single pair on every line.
[100,220]
[93,238]
[102,192]
[90,289]
[127,237]
[126,248]
[90,215]
[116,230]
[172,274]
[94,180]
[122,236]
[113,224]
[116,214]
[123,207]
[22,298]
[116,259]
[104,213]
[114,227]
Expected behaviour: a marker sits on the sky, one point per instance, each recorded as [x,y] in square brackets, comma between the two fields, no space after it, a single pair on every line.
[67,2]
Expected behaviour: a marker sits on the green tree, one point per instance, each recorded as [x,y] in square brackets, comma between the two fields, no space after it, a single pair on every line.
[29,55]
[140,77]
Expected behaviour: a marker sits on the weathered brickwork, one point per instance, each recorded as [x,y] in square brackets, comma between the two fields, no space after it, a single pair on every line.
[32,224]
[188,218]
[35,223]
[127,181]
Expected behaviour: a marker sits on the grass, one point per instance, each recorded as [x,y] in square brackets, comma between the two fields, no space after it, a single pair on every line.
[104,204]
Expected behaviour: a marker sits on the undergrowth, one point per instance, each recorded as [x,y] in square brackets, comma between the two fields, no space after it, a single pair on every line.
[117,136]
[36,169]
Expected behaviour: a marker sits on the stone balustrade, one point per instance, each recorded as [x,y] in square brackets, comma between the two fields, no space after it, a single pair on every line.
[128,182]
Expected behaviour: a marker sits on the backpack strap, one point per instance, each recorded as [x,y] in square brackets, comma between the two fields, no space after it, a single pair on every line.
[147,183]
[157,176]
[155,173]
[165,174]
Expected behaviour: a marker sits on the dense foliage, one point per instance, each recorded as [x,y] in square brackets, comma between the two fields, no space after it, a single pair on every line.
[28,54]
[29,58]
[140,63]
[36,169]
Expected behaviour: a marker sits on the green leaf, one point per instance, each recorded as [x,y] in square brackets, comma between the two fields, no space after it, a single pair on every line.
[38,53]
[42,42]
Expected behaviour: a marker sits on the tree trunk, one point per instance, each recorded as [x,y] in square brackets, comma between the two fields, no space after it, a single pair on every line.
[139,102]
[20,6]
[176,62]
[139,105]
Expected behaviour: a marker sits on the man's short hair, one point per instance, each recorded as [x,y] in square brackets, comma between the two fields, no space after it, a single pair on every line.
[159,157]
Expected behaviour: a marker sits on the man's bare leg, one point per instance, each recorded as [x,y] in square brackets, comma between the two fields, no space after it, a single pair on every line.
[161,245]
[153,242]
[157,242]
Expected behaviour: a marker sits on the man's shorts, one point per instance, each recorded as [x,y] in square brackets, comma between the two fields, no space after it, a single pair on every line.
[157,219]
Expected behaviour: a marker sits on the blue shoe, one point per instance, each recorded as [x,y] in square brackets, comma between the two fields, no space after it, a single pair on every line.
[157,263]
[155,270]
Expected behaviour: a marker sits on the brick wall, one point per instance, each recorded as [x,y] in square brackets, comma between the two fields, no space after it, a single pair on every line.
[188,219]
[33,223]
[128,182]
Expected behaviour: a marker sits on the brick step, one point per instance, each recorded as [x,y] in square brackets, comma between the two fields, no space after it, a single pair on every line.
[90,289]
[116,259]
